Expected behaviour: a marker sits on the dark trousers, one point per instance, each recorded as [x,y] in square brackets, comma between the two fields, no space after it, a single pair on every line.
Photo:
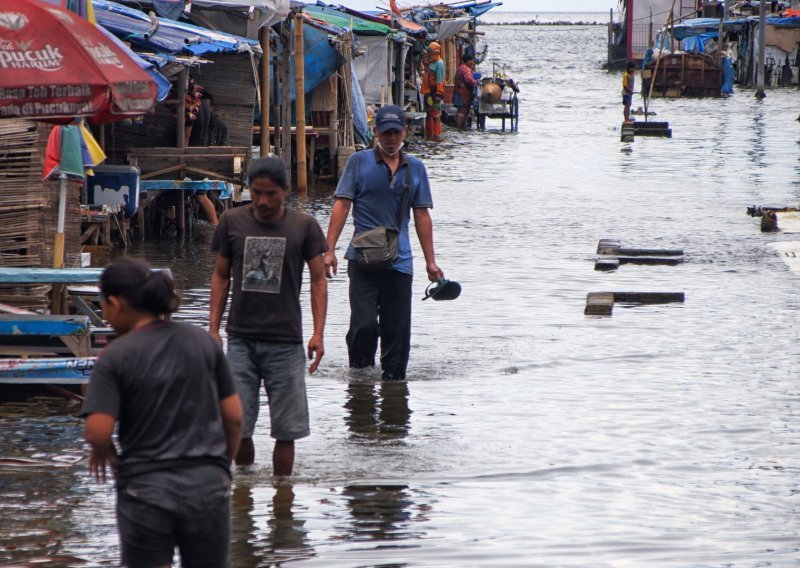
[188,506]
[380,307]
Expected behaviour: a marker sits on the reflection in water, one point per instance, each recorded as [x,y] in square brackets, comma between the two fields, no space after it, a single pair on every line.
[378,411]
[380,512]
[285,535]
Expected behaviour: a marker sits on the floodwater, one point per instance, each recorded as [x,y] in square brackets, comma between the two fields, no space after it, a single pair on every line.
[527,434]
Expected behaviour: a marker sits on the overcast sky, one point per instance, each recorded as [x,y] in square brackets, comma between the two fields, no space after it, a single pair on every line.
[510,5]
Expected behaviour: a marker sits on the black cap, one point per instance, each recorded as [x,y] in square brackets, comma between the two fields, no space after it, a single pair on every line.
[390,117]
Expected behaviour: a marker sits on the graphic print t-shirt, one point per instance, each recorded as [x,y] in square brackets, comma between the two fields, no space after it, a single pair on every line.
[267,263]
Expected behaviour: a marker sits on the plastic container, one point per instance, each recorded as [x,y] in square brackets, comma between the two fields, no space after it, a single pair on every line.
[114,185]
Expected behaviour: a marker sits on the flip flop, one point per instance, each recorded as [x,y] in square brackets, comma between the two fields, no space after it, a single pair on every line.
[443,289]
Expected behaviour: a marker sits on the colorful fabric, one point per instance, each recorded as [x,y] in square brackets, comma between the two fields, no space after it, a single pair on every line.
[433,80]
[627,83]
[464,86]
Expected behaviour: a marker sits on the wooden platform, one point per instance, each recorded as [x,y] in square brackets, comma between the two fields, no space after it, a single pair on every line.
[611,254]
[602,303]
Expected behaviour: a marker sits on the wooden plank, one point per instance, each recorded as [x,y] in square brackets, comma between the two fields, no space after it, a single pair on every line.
[6,309]
[649,297]
[650,260]
[33,275]
[35,324]
[87,310]
[62,371]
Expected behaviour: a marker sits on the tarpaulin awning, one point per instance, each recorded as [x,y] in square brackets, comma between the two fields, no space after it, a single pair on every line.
[346,21]
[476,11]
[166,35]
[698,26]
[261,12]
[448,28]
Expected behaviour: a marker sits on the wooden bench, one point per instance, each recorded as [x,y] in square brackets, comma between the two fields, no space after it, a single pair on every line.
[27,334]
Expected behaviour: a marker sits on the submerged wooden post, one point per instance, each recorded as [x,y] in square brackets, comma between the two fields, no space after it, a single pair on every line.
[265,86]
[300,104]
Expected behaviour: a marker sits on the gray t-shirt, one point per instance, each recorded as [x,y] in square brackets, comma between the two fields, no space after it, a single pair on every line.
[267,263]
[163,383]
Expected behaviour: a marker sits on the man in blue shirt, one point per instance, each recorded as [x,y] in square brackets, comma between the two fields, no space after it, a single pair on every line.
[380,302]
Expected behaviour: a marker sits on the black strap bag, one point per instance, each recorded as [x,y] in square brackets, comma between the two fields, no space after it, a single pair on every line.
[377,249]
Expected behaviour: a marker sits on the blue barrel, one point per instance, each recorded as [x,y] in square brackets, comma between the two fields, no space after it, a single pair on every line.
[114,185]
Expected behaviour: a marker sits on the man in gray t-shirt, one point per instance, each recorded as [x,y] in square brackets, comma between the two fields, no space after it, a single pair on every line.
[265,246]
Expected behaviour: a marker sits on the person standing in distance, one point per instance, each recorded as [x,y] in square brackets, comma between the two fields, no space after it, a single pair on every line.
[380,302]
[265,246]
[169,387]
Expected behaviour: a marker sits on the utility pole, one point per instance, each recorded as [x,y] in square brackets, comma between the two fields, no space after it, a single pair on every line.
[762,18]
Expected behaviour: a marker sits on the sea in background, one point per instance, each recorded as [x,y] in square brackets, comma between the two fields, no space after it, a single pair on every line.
[528,434]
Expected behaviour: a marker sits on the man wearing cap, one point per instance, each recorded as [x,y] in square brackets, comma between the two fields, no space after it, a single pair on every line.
[372,183]
[433,92]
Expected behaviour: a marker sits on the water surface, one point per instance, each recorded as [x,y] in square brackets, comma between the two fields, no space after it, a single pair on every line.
[527,434]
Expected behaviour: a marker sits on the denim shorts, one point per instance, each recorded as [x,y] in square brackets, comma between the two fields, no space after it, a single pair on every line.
[282,367]
[627,99]
[188,507]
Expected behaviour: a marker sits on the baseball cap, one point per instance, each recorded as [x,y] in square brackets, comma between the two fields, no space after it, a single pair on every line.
[390,117]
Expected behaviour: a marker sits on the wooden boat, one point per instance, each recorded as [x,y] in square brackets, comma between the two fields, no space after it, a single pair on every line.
[684,75]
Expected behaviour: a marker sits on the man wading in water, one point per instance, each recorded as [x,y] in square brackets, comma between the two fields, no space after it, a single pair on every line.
[380,302]
[265,246]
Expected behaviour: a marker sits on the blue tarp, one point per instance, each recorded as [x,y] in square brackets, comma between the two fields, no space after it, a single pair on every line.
[698,26]
[476,11]
[170,36]
[359,108]
[320,60]
[162,83]
[728,75]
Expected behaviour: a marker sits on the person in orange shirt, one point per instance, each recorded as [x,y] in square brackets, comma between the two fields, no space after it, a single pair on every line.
[433,92]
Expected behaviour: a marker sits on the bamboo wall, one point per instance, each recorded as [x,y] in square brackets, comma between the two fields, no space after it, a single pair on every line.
[229,78]
[29,208]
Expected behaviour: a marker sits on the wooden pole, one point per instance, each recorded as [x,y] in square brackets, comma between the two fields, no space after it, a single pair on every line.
[277,115]
[180,210]
[286,95]
[762,25]
[300,104]
[265,86]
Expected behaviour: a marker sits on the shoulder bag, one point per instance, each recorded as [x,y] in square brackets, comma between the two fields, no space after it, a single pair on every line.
[377,249]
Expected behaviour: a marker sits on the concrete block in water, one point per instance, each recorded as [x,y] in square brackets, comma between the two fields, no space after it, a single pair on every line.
[599,304]
[602,303]
[627,132]
[606,264]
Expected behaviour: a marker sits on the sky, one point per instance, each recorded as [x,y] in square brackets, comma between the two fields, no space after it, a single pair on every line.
[508,5]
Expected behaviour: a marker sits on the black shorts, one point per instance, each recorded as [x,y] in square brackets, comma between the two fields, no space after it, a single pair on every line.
[187,507]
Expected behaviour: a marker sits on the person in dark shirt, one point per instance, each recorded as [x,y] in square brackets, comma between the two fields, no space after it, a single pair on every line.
[169,388]
[262,250]
[217,129]
[200,135]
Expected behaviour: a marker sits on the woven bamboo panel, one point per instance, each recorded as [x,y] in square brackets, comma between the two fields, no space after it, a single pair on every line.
[28,209]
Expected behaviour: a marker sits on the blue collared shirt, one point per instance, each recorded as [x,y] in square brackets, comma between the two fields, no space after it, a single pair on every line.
[376,195]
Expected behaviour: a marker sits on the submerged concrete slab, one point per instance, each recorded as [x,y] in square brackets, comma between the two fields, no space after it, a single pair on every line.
[602,303]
